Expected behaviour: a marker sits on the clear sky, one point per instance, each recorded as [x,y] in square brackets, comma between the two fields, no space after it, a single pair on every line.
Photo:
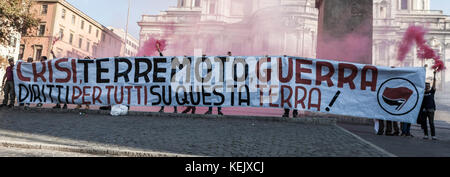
[114,12]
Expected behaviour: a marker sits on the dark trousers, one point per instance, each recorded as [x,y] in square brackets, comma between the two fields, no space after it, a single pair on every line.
[380,126]
[286,112]
[389,125]
[211,109]
[9,93]
[406,127]
[190,108]
[430,116]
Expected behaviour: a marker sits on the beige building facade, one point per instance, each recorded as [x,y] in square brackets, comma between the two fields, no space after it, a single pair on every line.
[276,27]
[131,43]
[79,35]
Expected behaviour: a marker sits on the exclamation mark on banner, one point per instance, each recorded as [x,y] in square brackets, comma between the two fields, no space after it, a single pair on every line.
[332,101]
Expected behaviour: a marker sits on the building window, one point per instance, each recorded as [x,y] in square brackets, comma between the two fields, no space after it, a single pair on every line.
[88,45]
[44,9]
[41,30]
[182,3]
[197,3]
[90,29]
[82,24]
[21,50]
[73,19]
[80,42]
[61,34]
[63,14]
[404,4]
[37,52]
[96,34]
[71,39]
[212,8]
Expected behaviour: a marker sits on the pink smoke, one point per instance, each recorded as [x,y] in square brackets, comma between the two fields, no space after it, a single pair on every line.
[416,34]
[150,47]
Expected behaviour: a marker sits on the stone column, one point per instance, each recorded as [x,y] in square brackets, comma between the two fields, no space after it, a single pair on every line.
[345,30]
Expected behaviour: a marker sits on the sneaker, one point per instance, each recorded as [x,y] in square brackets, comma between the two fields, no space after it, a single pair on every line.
[58,106]
[78,106]
[220,113]
[433,138]
[2,105]
[65,106]
[286,115]
[208,112]
[39,105]
[10,106]
[425,137]
[87,106]
[161,110]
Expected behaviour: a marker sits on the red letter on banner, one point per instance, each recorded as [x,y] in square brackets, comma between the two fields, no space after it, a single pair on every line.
[320,77]
[19,73]
[40,74]
[300,70]
[349,79]
[372,84]
[66,70]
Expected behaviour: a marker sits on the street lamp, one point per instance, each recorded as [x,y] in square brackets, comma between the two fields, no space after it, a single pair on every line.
[126,29]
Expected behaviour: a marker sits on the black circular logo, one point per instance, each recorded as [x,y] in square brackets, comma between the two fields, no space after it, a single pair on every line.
[398,96]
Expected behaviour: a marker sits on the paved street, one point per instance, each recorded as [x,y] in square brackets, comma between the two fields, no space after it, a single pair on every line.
[185,136]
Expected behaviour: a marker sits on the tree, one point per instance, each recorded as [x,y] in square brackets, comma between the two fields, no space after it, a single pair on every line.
[16,16]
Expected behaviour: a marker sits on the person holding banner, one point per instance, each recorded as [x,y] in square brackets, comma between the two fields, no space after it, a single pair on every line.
[160,54]
[429,107]
[8,85]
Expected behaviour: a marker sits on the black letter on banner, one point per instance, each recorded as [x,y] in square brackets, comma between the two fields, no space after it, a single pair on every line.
[86,69]
[222,97]
[184,99]
[31,93]
[164,95]
[36,97]
[242,78]
[101,70]
[205,94]
[50,92]
[59,92]
[159,70]
[137,74]
[241,100]
[122,74]
[192,97]
[155,93]
[20,93]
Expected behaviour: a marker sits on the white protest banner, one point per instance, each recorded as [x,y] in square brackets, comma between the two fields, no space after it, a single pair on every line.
[277,82]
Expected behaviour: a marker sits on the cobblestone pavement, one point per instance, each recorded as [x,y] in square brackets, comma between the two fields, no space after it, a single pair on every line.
[20,152]
[199,137]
